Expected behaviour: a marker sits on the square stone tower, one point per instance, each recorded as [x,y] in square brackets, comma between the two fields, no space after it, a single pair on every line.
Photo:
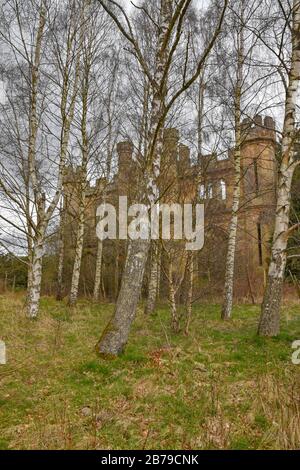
[257,204]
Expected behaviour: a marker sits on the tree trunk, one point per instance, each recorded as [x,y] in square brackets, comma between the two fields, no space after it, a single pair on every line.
[232,236]
[250,286]
[269,324]
[158,274]
[153,280]
[230,260]
[84,144]
[103,288]
[172,300]
[35,280]
[98,273]
[78,257]
[60,268]
[61,257]
[189,302]
[116,334]
[117,268]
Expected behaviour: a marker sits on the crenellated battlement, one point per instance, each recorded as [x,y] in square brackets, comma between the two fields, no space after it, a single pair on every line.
[179,183]
[260,127]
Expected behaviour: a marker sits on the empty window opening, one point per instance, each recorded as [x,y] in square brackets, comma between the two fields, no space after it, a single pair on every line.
[202,191]
[206,192]
[223,190]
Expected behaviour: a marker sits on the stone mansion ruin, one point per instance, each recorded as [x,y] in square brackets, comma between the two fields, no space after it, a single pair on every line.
[211,181]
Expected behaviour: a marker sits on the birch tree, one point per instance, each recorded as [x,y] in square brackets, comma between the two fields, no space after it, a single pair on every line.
[233,226]
[61,251]
[172,16]
[154,278]
[189,300]
[37,174]
[112,116]
[93,32]
[269,324]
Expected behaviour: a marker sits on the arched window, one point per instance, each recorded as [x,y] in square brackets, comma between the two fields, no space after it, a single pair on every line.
[223,190]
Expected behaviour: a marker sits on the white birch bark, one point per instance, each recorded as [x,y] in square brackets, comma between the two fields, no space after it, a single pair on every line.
[61,254]
[34,287]
[172,299]
[153,279]
[78,250]
[232,233]
[44,215]
[98,271]
[269,324]
[116,334]
[60,268]
[86,63]
[36,242]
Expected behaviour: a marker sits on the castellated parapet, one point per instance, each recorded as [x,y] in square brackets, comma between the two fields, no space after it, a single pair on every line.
[178,182]
[259,128]
[257,200]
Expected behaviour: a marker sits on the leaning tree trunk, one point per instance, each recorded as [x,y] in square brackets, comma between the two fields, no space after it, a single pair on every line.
[153,280]
[35,280]
[98,272]
[269,324]
[116,334]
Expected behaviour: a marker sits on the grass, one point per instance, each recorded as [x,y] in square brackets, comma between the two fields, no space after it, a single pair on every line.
[222,387]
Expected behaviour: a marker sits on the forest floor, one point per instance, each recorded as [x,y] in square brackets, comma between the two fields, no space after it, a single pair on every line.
[222,387]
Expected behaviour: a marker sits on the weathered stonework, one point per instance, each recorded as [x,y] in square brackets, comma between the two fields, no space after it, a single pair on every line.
[179,182]
[257,206]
